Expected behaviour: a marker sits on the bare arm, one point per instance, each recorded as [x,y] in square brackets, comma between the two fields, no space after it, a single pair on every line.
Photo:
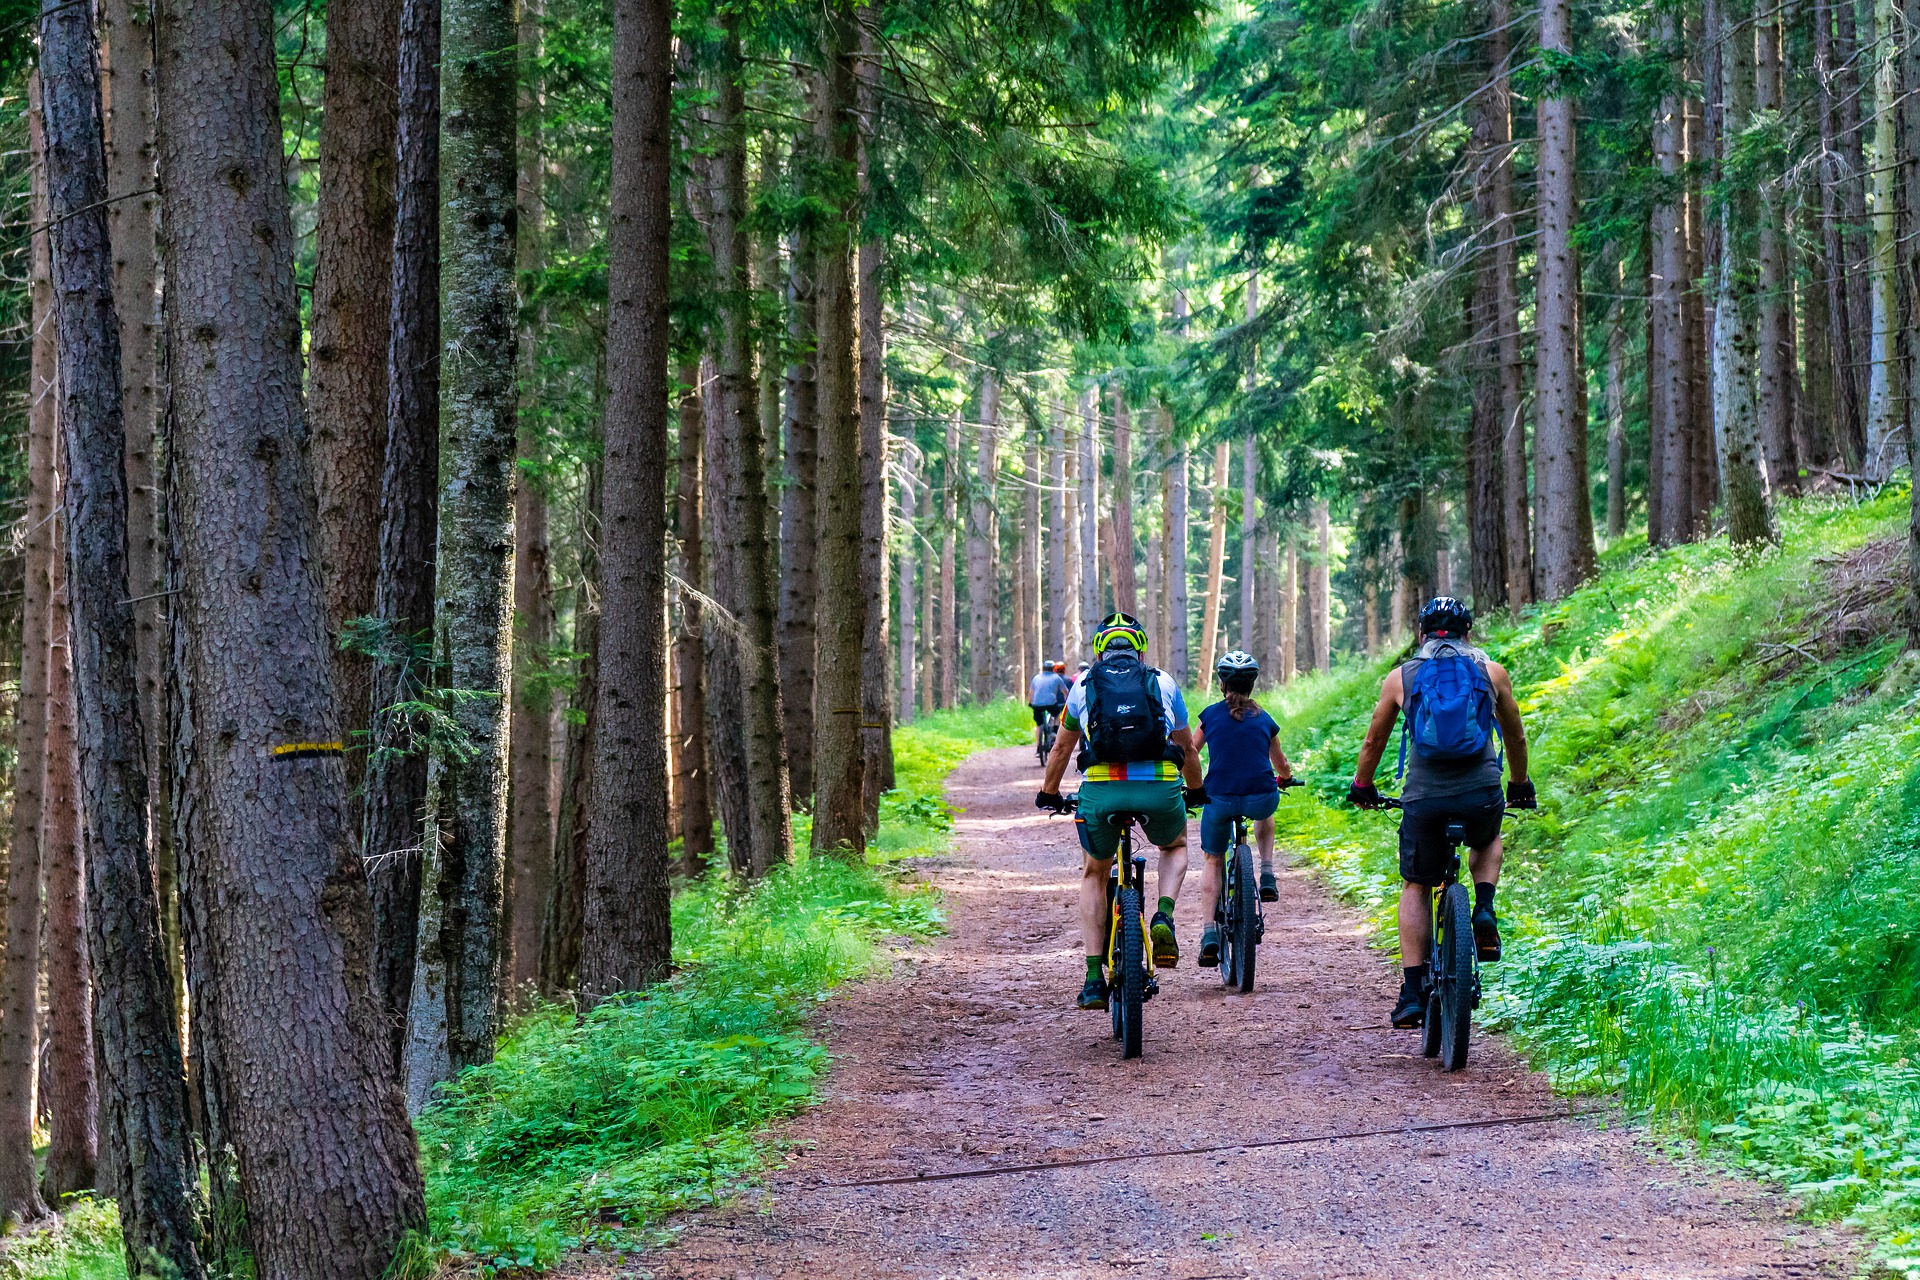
[1057,759]
[1190,767]
[1506,709]
[1386,713]
[1282,771]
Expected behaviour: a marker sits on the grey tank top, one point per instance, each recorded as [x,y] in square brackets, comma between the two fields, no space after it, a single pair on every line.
[1441,779]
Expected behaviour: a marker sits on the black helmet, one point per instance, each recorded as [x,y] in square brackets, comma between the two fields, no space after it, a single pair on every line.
[1445,616]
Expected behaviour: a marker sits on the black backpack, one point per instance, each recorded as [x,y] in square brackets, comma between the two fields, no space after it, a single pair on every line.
[1125,722]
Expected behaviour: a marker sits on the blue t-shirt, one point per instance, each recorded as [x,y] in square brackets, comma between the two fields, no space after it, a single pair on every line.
[1237,762]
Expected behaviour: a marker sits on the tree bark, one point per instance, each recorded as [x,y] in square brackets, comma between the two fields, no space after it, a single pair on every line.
[905,566]
[1089,513]
[1703,248]
[1749,516]
[347,350]
[1126,590]
[1774,363]
[1178,652]
[72,1101]
[838,752]
[689,643]
[565,923]
[1517,514]
[876,701]
[396,777]
[1560,431]
[1886,452]
[929,589]
[1669,378]
[1844,340]
[1059,514]
[1216,564]
[799,534]
[327,1166]
[1249,543]
[1854,178]
[20,1202]
[983,595]
[628,941]
[1486,493]
[947,606]
[1289,620]
[1320,587]
[1617,415]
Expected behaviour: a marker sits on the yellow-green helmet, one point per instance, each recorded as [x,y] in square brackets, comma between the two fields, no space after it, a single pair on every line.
[1122,627]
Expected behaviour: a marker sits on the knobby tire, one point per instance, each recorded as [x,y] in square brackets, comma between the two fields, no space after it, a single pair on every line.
[1243,918]
[1456,994]
[1129,990]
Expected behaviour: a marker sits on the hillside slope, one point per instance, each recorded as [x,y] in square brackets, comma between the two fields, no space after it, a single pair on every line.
[1713,912]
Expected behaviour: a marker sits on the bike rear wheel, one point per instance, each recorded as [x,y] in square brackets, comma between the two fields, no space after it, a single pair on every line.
[1128,991]
[1454,991]
[1243,919]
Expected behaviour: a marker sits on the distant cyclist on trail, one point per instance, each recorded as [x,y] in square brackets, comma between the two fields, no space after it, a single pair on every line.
[1453,695]
[1138,752]
[1047,695]
[1245,770]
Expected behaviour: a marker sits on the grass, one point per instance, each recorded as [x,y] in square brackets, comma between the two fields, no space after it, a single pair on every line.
[1711,914]
[85,1245]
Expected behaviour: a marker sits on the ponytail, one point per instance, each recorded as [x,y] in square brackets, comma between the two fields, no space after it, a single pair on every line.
[1237,691]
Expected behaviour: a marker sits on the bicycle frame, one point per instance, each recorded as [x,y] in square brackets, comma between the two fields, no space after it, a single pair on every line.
[1129,871]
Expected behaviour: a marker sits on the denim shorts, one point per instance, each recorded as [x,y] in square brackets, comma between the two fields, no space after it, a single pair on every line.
[1216,820]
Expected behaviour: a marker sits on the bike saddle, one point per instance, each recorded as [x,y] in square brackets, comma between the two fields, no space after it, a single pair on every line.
[1456,833]
[1126,819]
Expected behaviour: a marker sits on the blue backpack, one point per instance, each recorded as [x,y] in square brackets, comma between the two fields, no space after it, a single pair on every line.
[1449,708]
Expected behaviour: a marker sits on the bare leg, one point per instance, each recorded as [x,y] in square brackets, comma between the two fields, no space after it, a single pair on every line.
[1263,836]
[1485,863]
[1416,923]
[1211,874]
[1173,868]
[1093,905]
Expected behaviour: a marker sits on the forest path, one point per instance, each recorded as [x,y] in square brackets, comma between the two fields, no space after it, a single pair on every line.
[972,1055]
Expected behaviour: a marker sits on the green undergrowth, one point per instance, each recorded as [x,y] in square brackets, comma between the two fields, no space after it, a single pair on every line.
[84,1245]
[1711,915]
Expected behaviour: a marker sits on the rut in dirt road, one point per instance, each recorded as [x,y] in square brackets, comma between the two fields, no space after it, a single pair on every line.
[971,1057]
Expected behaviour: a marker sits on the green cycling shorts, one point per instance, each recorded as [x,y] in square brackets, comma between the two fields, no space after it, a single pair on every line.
[1162,800]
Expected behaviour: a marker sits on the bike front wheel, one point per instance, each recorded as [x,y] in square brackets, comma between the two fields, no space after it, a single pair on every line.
[1128,992]
[1243,919]
[1454,985]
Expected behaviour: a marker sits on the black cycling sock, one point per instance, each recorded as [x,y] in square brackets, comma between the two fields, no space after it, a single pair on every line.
[1416,975]
[1095,964]
[1482,895]
[1166,904]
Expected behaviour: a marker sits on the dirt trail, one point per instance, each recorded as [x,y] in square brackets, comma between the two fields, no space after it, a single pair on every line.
[972,1055]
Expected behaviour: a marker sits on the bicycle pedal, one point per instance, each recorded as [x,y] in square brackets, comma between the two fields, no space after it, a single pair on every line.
[1259,930]
[1152,989]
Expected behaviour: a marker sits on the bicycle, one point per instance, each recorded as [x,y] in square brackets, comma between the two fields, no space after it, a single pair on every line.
[1242,921]
[1049,733]
[1130,981]
[1453,961]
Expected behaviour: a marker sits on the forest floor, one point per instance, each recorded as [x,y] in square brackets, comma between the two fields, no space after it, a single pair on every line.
[971,1056]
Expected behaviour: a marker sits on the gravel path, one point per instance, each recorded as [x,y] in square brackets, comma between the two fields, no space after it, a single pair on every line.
[972,1056]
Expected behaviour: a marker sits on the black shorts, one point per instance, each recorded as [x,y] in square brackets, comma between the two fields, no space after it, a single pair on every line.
[1424,850]
[1042,710]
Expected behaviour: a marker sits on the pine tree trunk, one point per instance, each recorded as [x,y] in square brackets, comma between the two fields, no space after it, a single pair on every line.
[132,225]
[1216,564]
[1617,417]
[799,536]
[1560,433]
[838,752]
[1819,400]
[565,925]
[983,596]
[327,1166]
[1320,588]
[1089,513]
[876,701]
[628,939]
[530,732]
[458,970]
[1854,264]
[1059,516]
[1032,535]
[1844,341]
[1249,542]
[1886,451]
[1774,394]
[929,590]
[396,775]
[1703,248]
[1486,493]
[905,565]
[947,625]
[1289,621]
[72,1101]
[689,644]
[20,1202]
[1669,378]
[1518,518]
[1126,591]
[1178,652]
[347,350]
[1749,518]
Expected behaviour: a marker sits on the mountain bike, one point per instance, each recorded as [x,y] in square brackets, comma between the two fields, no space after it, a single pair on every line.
[1453,961]
[1130,975]
[1242,922]
[1049,732]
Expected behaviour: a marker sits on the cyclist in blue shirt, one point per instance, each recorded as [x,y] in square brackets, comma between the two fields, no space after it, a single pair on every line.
[1047,696]
[1245,771]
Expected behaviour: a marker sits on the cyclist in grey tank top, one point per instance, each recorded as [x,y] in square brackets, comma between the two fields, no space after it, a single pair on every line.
[1437,793]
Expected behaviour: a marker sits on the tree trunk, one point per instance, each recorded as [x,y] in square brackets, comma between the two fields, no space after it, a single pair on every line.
[72,1101]
[20,1201]
[1560,432]
[1059,515]
[530,731]
[1669,377]
[396,777]
[689,644]
[1249,542]
[1773,403]
[799,537]
[838,752]
[905,566]
[929,588]
[876,701]
[947,613]
[1844,344]
[132,231]
[983,596]
[1486,493]
[347,350]
[1617,415]
[1749,518]
[458,971]
[1854,265]
[1703,248]
[1289,621]
[565,925]
[1819,399]
[1178,653]
[1028,573]
[1126,591]
[1089,513]
[1320,588]
[1216,564]
[1517,516]
[1885,450]
[327,1167]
